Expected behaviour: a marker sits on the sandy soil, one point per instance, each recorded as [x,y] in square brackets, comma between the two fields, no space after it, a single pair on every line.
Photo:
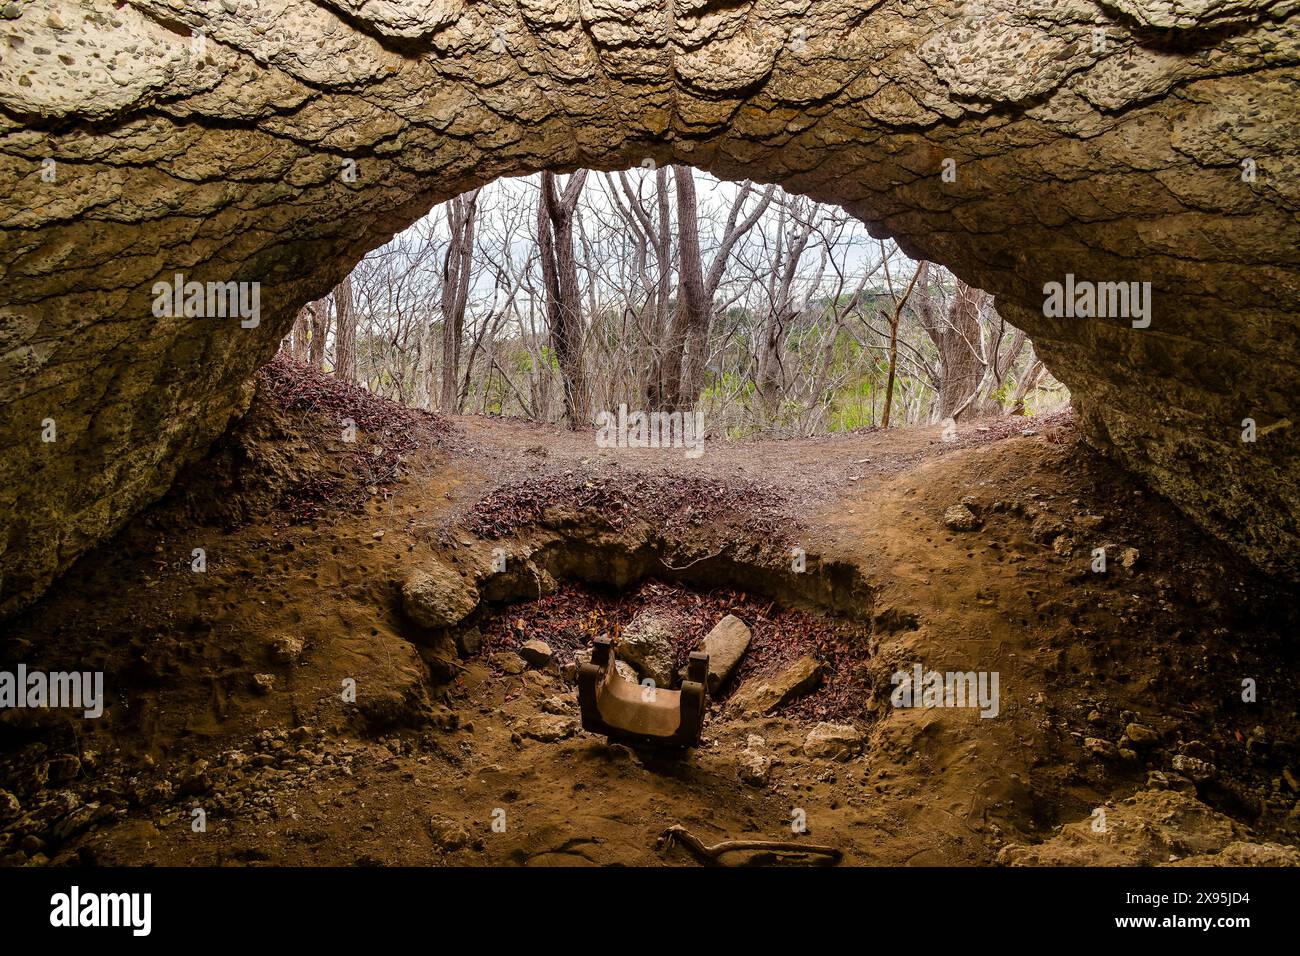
[224,687]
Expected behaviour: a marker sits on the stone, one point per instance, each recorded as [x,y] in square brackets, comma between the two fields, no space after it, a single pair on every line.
[1100,748]
[9,806]
[555,704]
[247,139]
[286,648]
[1141,735]
[1150,828]
[647,644]
[548,728]
[961,518]
[1128,558]
[535,653]
[437,596]
[263,683]
[1199,771]
[448,835]
[833,741]
[755,768]
[763,695]
[726,645]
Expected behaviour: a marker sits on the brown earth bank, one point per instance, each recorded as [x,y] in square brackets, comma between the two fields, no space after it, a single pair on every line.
[347,681]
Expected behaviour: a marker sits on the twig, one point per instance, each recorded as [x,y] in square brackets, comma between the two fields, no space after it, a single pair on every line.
[713,854]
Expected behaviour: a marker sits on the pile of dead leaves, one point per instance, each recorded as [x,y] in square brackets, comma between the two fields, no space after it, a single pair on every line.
[671,501]
[385,432]
[576,614]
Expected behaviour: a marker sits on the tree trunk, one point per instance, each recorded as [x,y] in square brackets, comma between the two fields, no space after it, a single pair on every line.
[957,337]
[560,276]
[320,325]
[345,332]
[457,265]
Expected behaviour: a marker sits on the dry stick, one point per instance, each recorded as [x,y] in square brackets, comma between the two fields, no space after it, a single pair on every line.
[893,344]
[713,854]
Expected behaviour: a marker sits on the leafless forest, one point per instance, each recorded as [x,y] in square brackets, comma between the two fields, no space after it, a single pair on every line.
[552,297]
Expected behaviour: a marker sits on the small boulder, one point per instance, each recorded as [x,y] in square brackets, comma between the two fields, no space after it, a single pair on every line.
[263,683]
[765,694]
[1128,558]
[726,645]
[647,644]
[536,653]
[437,596]
[961,518]
[833,741]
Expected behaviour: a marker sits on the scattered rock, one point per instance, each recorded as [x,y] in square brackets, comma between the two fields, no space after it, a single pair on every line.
[548,728]
[726,645]
[833,741]
[556,704]
[1045,528]
[1195,768]
[1141,735]
[1100,748]
[437,596]
[1146,829]
[647,644]
[448,835]
[286,648]
[195,780]
[536,653]
[755,768]
[961,518]
[763,695]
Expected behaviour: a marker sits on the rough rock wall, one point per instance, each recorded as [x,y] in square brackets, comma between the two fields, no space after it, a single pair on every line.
[276,141]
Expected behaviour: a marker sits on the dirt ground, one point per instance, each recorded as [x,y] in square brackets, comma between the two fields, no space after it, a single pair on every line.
[1121,737]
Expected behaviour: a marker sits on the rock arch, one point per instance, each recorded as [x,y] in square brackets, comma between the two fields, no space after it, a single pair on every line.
[1115,140]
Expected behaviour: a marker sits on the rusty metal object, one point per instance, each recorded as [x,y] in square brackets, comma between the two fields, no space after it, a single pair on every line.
[635,714]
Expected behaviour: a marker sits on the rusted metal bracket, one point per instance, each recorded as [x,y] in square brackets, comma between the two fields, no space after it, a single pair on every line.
[639,714]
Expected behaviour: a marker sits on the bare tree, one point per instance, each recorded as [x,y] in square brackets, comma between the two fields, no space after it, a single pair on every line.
[560,278]
[345,332]
[956,333]
[457,267]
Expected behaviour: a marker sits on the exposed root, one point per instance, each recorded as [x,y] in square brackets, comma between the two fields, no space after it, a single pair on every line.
[713,855]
